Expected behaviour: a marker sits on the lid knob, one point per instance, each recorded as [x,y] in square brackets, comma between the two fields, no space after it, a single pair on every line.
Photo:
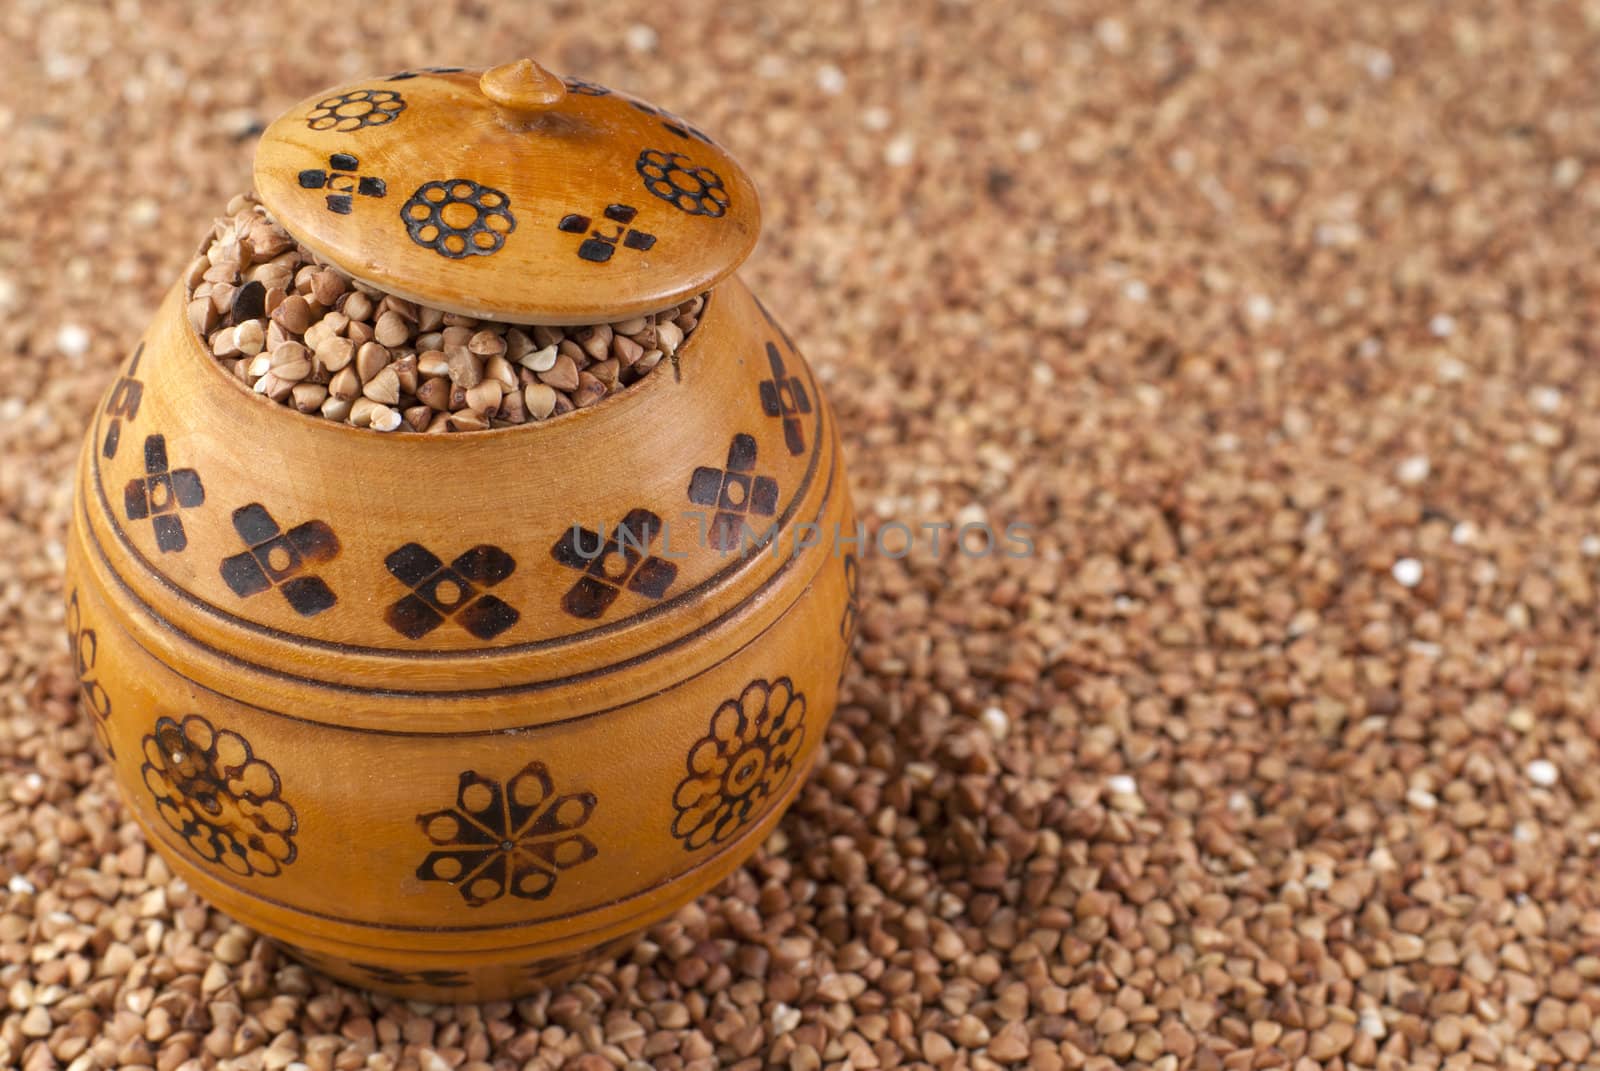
[522,91]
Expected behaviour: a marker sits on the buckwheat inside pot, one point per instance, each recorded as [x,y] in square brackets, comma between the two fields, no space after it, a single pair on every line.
[301,333]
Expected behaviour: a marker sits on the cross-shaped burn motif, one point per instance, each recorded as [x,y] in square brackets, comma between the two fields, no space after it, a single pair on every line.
[785,396]
[513,838]
[123,403]
[276,558]
[736,492]
[435,977]
[160,493]
[440,591]
[609,566]
[676,179]
[341,179]
[852,602]
[458,218]
[598,247]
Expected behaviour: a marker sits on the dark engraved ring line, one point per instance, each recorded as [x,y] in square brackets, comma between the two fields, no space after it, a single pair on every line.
[716,579]
[512,689]
[778,809]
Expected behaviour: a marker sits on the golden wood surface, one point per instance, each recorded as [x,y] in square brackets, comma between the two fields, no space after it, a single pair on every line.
[459,798]
[494,195]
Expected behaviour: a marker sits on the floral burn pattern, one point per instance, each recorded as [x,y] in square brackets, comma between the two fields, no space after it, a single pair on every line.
[736,769]
[85,649]
[559,968]
[513,838]
[434,977]
[852,601]
[219,797]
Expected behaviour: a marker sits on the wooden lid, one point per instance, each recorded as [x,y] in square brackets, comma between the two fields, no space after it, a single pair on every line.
[508,194]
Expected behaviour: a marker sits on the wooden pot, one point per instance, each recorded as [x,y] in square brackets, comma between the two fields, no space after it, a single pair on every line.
[449,715]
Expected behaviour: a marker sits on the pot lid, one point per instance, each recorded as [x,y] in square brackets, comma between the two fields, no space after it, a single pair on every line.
[508,194]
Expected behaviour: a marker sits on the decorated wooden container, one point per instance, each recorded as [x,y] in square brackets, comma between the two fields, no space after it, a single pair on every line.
[450,715]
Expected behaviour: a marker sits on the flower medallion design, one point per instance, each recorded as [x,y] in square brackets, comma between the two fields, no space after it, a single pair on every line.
[675,179]
[359,108]
[428,977]
[785,397]
[558,968]
[85,648]
[737,768]
[213,791]
[458,218]
[512,838]
[421,977]
[123,403]
[852,601]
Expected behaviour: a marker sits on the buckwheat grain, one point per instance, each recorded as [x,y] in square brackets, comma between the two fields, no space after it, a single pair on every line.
[255,290]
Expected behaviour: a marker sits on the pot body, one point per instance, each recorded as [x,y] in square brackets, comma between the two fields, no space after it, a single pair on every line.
[451,715]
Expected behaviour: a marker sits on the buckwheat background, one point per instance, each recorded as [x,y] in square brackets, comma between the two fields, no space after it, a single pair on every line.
[1279,322]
